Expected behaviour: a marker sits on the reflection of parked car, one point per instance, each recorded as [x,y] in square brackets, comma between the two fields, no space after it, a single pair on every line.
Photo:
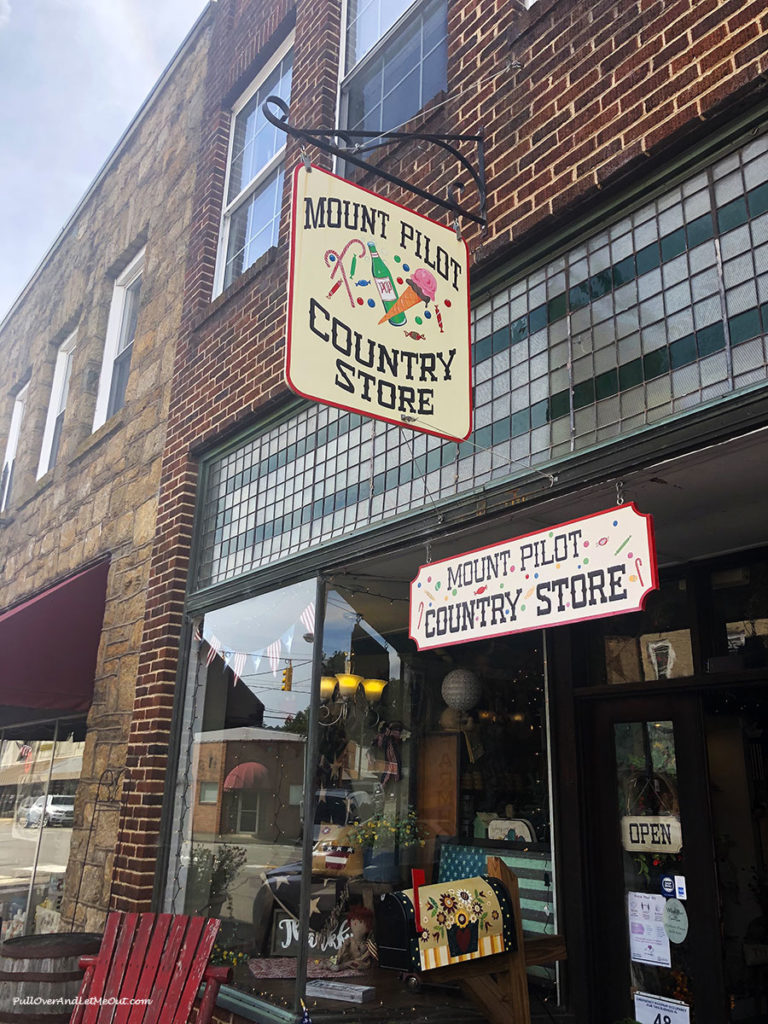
[60,810]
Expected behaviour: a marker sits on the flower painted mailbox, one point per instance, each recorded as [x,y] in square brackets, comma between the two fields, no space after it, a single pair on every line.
[448,923]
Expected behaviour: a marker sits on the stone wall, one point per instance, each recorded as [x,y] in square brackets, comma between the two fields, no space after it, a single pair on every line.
[100,498]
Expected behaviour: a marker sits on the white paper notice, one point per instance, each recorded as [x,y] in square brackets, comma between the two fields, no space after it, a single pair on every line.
[648,941]
[652,1009]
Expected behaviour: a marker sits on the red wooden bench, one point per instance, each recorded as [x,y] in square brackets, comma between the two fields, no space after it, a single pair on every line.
[149,970]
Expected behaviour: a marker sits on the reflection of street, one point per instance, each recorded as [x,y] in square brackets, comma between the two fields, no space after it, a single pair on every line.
[17,854]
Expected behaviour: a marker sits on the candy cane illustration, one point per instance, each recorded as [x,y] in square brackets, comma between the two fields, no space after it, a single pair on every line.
[421,612]
[336,259]
[439,319]
[638,563]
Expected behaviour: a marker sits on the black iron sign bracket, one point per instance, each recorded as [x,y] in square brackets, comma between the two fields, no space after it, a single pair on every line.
[352,144]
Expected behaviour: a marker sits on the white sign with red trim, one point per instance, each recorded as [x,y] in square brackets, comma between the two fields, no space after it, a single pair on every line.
[378,308]
[589,568]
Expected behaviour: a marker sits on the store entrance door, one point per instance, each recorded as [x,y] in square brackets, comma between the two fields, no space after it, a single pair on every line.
[656,950]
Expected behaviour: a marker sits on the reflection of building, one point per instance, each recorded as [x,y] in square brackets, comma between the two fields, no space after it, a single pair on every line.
[249,781]
[86,355]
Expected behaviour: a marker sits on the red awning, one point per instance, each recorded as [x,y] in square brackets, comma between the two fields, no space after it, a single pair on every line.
[48,645]
[248,775]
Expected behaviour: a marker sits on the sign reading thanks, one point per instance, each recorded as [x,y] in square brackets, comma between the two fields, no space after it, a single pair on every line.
[589,568]
[378,308]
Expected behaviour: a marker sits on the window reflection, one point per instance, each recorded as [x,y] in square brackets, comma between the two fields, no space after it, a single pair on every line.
[40,767]
[240,808]
[427,762]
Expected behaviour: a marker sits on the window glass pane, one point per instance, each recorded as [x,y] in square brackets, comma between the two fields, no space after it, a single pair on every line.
[740,616]
[254,227]
[239,806]
[652,848]
[120,373]
[56,440]
[642,646]
[11,445]
[367,21]
[37,802]
[409,71]
[428,762]
[255,140]
[130,314]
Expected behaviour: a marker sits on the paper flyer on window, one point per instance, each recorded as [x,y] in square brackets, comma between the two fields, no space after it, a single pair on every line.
[648,940]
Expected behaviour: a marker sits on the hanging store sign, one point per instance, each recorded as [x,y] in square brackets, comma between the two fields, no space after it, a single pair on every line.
[378,308]
[589,568]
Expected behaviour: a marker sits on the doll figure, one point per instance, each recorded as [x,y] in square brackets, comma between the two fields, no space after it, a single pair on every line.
[355,952]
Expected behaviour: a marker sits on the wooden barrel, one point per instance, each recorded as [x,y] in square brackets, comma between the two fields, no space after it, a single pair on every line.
[40,976]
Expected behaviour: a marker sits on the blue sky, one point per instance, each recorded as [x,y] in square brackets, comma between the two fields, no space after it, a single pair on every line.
[72,75]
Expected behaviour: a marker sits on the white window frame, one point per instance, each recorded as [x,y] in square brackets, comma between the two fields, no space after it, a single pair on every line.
[132,272]
[12,445]
[230,208]
[346,77]
[58,403]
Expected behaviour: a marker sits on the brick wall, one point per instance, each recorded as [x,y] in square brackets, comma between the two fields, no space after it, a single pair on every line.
[574,99]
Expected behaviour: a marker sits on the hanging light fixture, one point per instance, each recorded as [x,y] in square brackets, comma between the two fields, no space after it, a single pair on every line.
[348,684]
[327,686]
[374,689]
[461,689]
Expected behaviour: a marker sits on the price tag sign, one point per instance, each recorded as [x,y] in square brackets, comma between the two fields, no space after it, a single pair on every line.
[655,1010]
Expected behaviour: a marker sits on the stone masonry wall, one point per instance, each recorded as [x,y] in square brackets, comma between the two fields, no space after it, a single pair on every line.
[574,99]
[100,499]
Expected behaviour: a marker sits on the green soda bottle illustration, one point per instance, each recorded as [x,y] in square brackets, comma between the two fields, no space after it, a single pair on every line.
[385,284]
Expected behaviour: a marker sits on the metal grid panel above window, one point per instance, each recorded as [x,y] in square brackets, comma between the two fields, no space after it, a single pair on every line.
[661,312]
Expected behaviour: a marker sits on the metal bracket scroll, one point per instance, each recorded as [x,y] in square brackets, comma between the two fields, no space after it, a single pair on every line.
[352,143]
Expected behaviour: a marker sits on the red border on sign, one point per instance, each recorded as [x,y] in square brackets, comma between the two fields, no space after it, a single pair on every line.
[289,323]
[653,585]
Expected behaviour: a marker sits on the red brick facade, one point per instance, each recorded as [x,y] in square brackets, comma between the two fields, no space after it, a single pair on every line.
[575,100]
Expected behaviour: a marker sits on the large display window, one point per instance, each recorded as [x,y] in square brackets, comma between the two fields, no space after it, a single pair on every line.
[405,762]
[40,766]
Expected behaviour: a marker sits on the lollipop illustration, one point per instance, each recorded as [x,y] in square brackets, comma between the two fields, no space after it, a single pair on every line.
[422,287]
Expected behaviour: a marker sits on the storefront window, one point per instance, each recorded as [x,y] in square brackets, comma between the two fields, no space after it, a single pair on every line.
[427,763]
[38,779]
[420,762]
[643,646]
[238,814]
[740,616]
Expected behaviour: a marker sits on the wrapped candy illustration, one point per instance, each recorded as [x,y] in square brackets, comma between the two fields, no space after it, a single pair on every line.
[422,287]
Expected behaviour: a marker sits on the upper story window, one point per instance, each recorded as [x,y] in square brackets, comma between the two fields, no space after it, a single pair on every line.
[118,345]
[254,184]
[57,406]
[396,61]
[11,446]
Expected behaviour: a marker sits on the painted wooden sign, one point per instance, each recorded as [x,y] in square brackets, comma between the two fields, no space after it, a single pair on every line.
[378,308]
[651,834]
[589,568]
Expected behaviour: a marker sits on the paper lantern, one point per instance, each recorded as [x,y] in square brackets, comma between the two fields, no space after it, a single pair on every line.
[461,689]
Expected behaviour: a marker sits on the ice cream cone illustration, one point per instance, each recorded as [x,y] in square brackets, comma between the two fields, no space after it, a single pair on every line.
[422,287]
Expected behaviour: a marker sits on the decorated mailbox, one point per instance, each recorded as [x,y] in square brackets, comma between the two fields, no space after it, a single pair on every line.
[457,921]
